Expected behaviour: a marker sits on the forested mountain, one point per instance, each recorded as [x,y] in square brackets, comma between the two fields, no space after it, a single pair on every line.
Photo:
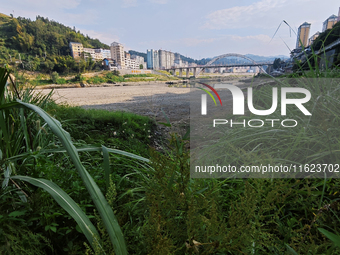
[42,44]
[144,55]
[42,35]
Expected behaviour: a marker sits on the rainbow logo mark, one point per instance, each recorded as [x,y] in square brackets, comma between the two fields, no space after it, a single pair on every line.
[213,90]
[204,97]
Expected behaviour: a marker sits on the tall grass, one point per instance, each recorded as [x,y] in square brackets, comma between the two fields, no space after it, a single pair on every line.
[293,207]
[12,149]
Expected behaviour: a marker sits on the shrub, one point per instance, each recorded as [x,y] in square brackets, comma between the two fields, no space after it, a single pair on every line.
[115,73]
[96,80]
[79,77]
[54,77]
[61,81]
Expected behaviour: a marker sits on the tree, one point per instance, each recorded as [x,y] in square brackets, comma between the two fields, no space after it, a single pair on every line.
[277,63]
[81,66]
[141,66]
[48,66]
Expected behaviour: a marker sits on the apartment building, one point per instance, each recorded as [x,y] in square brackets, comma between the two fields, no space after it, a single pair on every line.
[76,49]
[329,23]
[303,35]
[118,54]
[139,61]
[162,59]
[152,58]
[102,54]
[166,59]
[88,52]
[312,38]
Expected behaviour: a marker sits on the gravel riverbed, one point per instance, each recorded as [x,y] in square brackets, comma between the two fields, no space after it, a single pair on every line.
[144,99]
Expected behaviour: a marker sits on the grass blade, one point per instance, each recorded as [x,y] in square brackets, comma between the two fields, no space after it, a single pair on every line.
[105,211]
[106,157]
[66,202]
[333,237]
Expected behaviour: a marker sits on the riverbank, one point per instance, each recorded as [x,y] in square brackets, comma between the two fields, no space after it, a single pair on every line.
[213,77]
[105,84]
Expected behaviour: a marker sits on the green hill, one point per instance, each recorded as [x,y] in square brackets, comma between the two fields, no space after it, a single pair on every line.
[42,44]
[36,37]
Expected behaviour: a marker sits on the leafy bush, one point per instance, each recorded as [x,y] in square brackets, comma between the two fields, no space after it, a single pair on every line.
[96,80]
[54,77]
[61,81]
[79,78]
[138,75]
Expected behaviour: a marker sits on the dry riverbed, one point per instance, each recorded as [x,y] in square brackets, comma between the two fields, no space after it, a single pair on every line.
[143,99]
[146,99]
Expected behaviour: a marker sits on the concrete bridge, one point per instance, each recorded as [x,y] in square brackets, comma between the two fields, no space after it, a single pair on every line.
[198,69]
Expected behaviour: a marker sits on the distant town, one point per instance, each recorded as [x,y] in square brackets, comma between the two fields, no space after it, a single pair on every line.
[116,58]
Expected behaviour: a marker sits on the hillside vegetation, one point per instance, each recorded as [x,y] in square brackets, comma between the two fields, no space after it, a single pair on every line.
[327,37]
[42,45]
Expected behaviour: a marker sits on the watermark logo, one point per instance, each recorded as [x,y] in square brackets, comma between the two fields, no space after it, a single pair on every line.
[239,102]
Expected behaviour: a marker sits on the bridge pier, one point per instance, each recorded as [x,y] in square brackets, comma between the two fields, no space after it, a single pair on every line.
[180,72]
[174,72]
[187,72]
[195,68]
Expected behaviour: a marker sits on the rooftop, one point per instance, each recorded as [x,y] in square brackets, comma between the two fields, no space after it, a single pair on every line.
[305,24]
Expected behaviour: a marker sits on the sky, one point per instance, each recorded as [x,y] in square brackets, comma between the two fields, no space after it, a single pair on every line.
[193,28]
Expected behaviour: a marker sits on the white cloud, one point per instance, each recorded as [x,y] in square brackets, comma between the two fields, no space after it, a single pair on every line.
[101,36]
[256,14]
[129,3]
[133,3]
[87,17]
[187,42]
[260,44]
[260,38]
[159,1]
[61,11]
[195,41]
[42,4]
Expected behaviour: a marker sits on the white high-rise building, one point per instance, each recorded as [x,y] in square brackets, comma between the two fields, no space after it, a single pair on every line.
[312,38]
[102,53]
[166,59]
[329,23]
[172,59]
[89,52]
[162,59]
[303,35]
[152,58]
[139,61]
[118,54]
